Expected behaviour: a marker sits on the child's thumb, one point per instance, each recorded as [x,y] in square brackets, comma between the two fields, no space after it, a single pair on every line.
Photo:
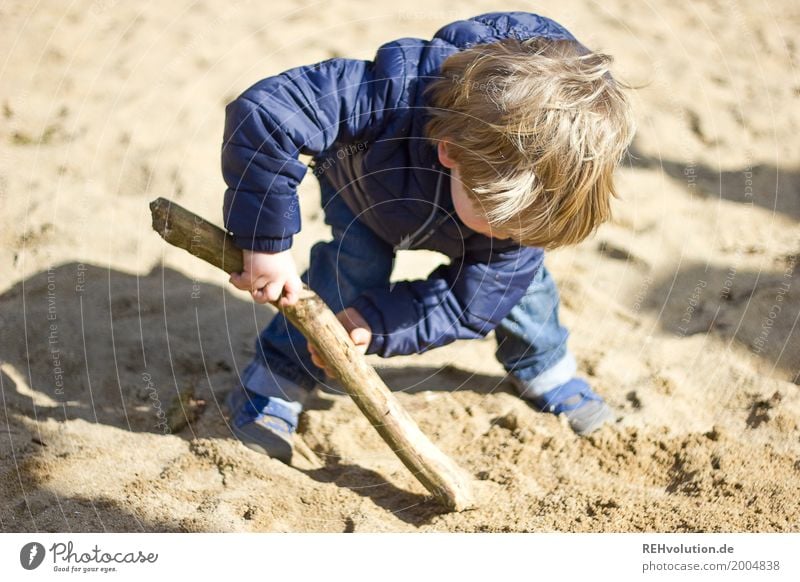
[360,337]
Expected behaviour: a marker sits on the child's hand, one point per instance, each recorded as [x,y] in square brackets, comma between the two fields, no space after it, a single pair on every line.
[359,331]
[269,277]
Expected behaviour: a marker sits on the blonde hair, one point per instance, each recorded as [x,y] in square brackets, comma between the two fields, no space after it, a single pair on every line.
[537,128]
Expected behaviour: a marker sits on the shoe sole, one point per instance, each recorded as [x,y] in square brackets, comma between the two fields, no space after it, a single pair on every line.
[266,443]
[260,440]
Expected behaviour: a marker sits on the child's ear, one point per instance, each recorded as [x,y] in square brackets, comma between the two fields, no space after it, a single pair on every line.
[444,158]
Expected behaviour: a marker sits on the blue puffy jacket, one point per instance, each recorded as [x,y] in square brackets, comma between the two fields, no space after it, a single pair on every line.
[362,122]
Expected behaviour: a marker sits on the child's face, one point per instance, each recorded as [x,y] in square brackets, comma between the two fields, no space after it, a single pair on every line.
[465,208]
[467,211]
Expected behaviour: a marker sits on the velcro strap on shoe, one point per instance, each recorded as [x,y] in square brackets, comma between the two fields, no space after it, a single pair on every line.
[554,400]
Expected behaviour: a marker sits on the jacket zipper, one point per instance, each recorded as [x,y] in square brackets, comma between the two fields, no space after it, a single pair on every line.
[408,241]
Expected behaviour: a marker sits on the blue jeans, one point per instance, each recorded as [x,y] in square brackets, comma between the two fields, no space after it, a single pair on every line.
[531,342]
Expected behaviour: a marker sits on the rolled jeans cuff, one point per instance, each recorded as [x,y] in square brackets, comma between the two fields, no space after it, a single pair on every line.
[562,372]
[259,379]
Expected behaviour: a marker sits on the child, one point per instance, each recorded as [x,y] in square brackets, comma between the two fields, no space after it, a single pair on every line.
[492,141]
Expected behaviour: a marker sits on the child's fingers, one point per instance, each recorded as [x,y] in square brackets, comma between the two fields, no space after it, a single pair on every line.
[259,296]
[246,282]
[258,283]
[361,338]
[238,282]
[317,360]
[291,291]
[273,291]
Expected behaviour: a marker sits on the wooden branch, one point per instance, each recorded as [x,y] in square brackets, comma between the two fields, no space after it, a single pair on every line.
[438,473]
[186,230]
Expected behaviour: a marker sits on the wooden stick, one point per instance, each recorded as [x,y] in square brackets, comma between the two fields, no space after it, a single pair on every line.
[437,472]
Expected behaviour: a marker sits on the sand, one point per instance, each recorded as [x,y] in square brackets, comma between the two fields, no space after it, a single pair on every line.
[683,310]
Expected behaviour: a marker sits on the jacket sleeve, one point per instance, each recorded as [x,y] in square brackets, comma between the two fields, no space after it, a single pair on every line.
[301,111]
[464,300]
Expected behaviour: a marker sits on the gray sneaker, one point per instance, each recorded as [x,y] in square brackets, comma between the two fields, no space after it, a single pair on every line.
[585,410]
[263,424]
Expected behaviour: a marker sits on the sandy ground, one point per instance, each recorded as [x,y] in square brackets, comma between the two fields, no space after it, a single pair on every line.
[684,310]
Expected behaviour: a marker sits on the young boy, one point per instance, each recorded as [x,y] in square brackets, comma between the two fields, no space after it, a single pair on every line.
[489,143]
